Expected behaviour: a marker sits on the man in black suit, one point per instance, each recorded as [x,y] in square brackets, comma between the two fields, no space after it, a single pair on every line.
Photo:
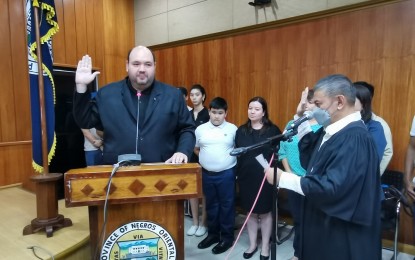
[139,115]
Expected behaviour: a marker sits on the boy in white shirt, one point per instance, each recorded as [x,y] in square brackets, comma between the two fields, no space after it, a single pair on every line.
[214,141]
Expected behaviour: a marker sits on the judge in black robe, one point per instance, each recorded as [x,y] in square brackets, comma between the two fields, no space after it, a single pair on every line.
[341,202]
[341,216]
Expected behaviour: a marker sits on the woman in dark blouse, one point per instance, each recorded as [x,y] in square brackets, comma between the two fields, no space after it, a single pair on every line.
[250,174]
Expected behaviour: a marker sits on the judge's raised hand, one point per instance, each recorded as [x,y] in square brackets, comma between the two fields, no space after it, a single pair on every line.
[84,74]
[303,102]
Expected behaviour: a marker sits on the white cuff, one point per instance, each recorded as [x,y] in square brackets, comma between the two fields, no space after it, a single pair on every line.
[291,181]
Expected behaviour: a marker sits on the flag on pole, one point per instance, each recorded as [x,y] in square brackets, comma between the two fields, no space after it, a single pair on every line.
[48,26]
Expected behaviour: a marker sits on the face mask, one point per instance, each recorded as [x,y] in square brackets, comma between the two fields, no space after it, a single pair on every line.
[322,116]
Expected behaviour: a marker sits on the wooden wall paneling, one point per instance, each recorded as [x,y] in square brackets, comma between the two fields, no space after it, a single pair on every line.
[70,32]
[260,66]
[164,61]
[15,163]
[370,30]
[242,85]
[189,70]
[277,59]
[4,69]
[396,30]
[7,112]
[110,65]
[224,61]
[98,33]
[214,68]
[286,85]
[182,70]
[211,69]
[59,53]
[293,82]
[395,81]
[91,41]
[313,58]
[81,26]
[183,74]
[21,98]
[180,63]
[118,37]
[195,67]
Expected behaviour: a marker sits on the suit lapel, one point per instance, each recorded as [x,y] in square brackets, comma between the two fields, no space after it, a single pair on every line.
[155,97]
[128,101]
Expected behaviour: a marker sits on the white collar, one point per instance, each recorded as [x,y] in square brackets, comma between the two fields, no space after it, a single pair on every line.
[220,126]
[342,123]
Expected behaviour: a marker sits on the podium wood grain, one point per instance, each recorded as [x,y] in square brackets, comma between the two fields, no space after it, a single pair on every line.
[149,192]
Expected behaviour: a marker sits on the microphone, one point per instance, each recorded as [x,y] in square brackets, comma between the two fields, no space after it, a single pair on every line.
[238,151]
[307,116]
[138,122]
[133,159]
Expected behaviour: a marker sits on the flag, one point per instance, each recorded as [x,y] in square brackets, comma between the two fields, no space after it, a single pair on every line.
[48,27]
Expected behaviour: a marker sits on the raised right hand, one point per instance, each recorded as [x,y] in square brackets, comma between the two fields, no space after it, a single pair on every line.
[84,74]
[303,101]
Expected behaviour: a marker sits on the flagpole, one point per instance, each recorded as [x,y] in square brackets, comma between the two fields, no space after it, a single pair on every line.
[45,161]
[48,217]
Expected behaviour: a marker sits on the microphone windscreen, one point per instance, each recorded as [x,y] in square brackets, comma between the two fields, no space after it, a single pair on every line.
[309,114]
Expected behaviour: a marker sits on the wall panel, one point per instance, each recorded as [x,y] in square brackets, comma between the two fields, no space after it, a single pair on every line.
[21,94]
[69,21]
[90,29]
[118,37]
[7,112]
[59,54]
[15,162]
[81,29]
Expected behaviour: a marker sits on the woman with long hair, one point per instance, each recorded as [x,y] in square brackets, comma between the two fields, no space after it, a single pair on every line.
[250,175]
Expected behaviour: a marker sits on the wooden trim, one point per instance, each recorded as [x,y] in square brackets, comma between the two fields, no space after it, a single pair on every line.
[145,183]
[402,248]
[19,185]
[28,142]
[276,24]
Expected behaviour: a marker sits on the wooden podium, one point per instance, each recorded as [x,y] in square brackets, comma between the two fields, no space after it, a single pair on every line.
[149,192]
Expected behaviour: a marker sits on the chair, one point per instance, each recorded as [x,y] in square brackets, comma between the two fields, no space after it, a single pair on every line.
[392,185]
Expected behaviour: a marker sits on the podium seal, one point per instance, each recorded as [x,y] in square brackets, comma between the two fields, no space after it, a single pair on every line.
[139,240]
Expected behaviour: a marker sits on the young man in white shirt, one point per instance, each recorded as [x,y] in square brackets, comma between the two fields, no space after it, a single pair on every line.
[214,141]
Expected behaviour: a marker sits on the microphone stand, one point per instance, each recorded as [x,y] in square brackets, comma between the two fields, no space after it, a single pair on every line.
[287,136]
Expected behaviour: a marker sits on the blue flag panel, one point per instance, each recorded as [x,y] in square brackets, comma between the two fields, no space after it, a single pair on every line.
[48,27]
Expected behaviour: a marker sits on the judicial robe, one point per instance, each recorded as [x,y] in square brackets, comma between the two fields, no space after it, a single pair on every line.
[341,206]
